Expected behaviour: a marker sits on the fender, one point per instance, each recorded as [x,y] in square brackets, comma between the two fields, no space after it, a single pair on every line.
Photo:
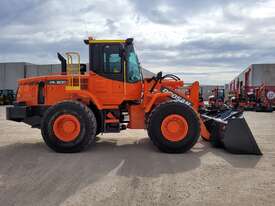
[153,100]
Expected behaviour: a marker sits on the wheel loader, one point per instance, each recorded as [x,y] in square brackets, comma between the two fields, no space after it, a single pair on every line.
[6,97]
[111,95]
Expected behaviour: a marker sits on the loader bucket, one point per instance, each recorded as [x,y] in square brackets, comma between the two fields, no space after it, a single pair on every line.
[232,133]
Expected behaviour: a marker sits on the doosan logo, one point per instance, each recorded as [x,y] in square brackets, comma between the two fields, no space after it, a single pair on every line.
[176,97]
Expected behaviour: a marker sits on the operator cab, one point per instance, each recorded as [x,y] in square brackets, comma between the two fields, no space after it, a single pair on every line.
[114,59]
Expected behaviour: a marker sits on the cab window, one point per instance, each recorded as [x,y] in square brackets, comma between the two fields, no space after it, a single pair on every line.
[112,59]
[133,67]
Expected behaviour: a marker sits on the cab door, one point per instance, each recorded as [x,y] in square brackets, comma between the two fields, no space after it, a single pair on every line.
[109,85]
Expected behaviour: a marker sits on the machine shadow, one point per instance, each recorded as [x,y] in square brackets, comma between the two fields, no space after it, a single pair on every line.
[140,158]
[39,170]
[235,160]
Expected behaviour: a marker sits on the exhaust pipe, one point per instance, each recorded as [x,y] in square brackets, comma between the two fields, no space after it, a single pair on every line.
[63,63]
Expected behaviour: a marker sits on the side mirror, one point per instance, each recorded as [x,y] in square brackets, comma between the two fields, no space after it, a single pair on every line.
[129,41]
[159,75]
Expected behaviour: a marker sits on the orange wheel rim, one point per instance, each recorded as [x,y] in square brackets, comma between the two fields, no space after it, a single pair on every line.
[66,127]
[174,128]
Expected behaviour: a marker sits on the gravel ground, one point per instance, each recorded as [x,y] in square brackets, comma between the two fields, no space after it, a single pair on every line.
[125,169]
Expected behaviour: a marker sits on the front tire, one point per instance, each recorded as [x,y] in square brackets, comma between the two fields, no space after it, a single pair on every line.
[173,127]
[68,127]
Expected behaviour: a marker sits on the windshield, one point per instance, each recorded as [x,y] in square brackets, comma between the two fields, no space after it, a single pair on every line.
[133,66]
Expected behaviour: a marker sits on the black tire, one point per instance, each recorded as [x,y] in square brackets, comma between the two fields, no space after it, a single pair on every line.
[258,108]
[154,127]
[87,121]
[98,123]
[214,129]
[264,109]
[270,109]
[98,115]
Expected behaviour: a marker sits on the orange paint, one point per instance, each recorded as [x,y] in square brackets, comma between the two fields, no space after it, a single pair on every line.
[137,117]
[174,128]
[106,94]
[66,127]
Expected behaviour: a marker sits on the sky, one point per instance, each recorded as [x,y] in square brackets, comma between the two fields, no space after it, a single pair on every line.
[206,40]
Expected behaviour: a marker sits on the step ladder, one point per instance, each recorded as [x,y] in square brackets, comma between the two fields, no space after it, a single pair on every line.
[73,71]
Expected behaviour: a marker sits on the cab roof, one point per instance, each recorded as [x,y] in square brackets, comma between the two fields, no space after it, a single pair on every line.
[104,41]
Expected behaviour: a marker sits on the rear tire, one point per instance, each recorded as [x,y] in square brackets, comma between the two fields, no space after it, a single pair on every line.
[156,120]
[86,130]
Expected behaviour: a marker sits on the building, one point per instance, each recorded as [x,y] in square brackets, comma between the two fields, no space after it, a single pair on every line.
[12,71]
[257,79]
[253,76]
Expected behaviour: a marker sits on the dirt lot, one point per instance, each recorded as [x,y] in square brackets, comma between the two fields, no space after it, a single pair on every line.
[125,169]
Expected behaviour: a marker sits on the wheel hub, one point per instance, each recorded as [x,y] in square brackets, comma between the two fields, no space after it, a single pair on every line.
[174,127]
[66,127]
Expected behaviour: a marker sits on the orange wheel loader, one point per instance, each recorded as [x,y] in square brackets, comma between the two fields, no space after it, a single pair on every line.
[112,95]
